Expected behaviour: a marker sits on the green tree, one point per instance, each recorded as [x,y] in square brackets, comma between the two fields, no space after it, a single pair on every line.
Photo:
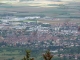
[27,57]
[47,55]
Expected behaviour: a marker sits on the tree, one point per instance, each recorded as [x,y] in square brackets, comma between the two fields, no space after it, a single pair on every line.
[47,55]
[27,57]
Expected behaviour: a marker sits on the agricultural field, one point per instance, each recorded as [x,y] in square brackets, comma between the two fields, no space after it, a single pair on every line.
[17,53]
[10,54]
[59,11]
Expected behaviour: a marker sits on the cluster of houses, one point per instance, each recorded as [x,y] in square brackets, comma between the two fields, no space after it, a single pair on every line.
[20,30]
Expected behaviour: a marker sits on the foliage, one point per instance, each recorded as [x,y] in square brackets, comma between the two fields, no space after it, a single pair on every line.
[47,55]
[27,57]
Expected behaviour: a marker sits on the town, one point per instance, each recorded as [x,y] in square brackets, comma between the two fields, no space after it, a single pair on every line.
[32,28]
[38,26]
[37,32]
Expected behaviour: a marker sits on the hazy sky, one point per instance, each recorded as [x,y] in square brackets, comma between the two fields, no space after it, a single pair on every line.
[66,0]
[53,0]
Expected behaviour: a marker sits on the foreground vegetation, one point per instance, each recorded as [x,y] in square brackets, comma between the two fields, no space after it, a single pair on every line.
[18,53]
[46,56]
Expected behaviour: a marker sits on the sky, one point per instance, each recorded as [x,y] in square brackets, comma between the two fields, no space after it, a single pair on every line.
[42,0]
[66,0]
[55,0]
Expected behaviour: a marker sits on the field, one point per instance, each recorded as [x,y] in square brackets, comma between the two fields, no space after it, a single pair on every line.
[57,11]
[17,53]
[53,22]
[11,53]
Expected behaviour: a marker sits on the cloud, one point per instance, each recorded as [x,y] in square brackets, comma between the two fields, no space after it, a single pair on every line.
[71,0]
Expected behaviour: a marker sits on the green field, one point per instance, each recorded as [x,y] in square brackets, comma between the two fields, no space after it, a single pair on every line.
[11,53]
[17,53]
